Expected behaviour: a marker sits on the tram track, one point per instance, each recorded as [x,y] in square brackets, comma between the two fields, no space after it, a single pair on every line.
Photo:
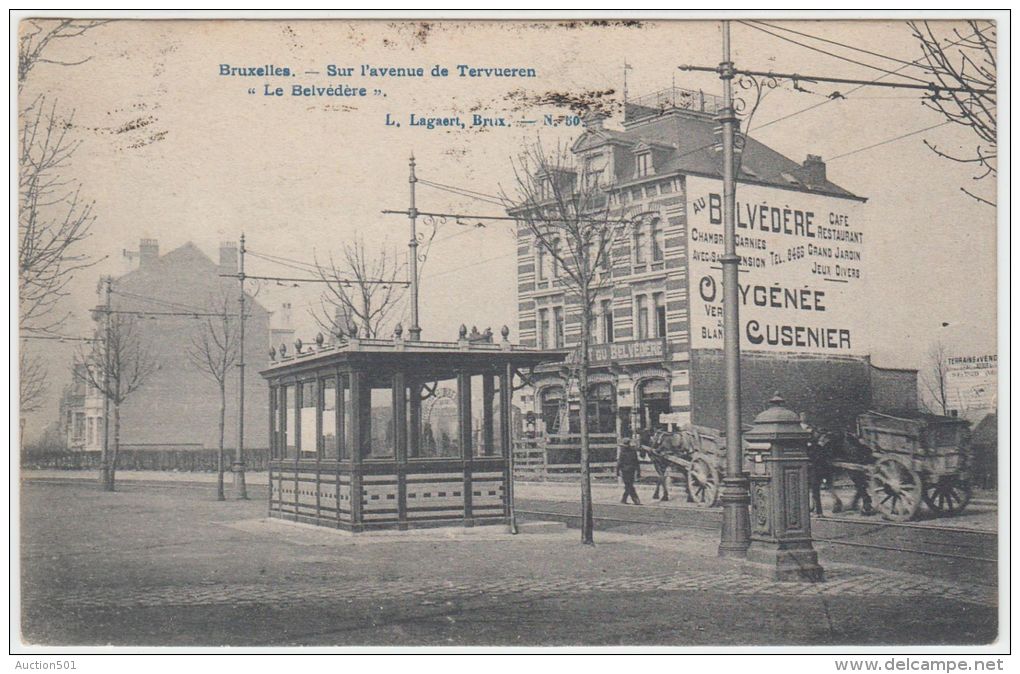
[875,528]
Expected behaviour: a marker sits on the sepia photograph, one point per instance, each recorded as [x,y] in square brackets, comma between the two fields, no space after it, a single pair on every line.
[510,333]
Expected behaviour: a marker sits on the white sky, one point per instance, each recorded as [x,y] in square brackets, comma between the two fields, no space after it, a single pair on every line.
[301,176]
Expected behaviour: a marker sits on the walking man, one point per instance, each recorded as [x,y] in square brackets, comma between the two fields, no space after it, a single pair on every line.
[628,466]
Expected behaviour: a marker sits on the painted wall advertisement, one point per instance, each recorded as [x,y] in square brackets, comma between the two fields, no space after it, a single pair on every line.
[802,268]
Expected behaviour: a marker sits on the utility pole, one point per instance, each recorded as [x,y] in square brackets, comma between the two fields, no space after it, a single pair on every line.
[239,482]
[414,332]
[104,465]
[735,495]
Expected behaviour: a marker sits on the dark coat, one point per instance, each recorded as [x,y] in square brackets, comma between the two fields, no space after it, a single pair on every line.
[628,460]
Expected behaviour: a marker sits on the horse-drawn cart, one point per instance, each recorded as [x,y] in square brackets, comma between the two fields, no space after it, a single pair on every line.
[918,457]
[698,452]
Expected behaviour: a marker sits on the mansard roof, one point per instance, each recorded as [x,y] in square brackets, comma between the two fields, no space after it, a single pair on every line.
[693,145]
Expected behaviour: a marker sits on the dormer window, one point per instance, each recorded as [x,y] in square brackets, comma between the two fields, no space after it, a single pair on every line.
[545,188]
[594,167]
[644,164]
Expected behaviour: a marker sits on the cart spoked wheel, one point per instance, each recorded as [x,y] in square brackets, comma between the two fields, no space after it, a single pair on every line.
[703,482]
[948,495]
[896,490]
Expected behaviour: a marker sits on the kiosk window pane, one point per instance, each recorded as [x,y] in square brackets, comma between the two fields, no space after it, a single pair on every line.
[381,445]
[485,434]
[329,419]
[309,446]
[439,434]
[288,422]
[344,410]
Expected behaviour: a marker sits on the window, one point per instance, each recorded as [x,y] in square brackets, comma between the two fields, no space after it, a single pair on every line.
[92,431]
[642,317]
[660,315]
[274,423]
[553,403]
[287,422]
[639,243]
[543,328]
[330,419]
[309,433]
[377,439]
[545,190]
[594,166]
[657,239]
[644,164]
[607,321]
[554,258]
[78,432]
[482,443]
[602,409]
[560,332]
[540,256]
[440,433]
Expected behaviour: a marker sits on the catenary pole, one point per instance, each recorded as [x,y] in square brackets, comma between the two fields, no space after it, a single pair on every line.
[104,465]
[736,525]
[239,482]
[414,332]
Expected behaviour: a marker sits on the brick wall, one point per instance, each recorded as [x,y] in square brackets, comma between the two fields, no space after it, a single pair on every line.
[832,391]
[893,389]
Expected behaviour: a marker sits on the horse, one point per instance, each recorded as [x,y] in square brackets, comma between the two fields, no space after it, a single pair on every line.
[658,446]
[827,448]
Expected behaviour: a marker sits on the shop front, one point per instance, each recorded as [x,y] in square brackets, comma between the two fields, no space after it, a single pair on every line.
[630,386]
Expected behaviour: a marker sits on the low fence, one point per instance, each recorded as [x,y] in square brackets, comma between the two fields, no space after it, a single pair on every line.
[558,457]
[135,458]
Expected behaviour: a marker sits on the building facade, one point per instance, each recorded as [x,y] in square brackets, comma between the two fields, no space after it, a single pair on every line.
[178,405]
[657,329]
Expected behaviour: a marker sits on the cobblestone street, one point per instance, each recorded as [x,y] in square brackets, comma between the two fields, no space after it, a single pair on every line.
[167,565]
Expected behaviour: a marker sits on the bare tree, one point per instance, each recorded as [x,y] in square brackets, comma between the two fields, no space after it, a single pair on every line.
[116,365]
[38,36]
[364,288]
[53,218]
[933,378]
[967,61]
[214,350]
[32,373]
[571,218]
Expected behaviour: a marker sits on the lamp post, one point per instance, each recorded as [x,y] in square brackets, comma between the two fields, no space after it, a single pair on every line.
[736,525]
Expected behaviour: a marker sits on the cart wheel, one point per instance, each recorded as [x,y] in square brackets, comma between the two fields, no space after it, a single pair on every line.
[949,495]
[703,482]
[896,490]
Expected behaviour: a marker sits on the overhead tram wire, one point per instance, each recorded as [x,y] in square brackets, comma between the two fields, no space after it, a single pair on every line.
[284,261]
[464,192]
[61,338]
[845,46]
[847,94]
[155,300]
[887,141]
[838,56]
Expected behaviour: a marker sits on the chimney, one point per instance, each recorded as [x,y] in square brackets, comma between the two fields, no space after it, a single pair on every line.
[148,252]
[593,120]
[814,170]
[228,258]
[286,316]
[341,320]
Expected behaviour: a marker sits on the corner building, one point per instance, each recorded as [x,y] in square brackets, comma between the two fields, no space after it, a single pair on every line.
[657,332]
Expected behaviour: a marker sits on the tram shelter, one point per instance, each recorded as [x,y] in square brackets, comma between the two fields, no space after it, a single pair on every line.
[357,443]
